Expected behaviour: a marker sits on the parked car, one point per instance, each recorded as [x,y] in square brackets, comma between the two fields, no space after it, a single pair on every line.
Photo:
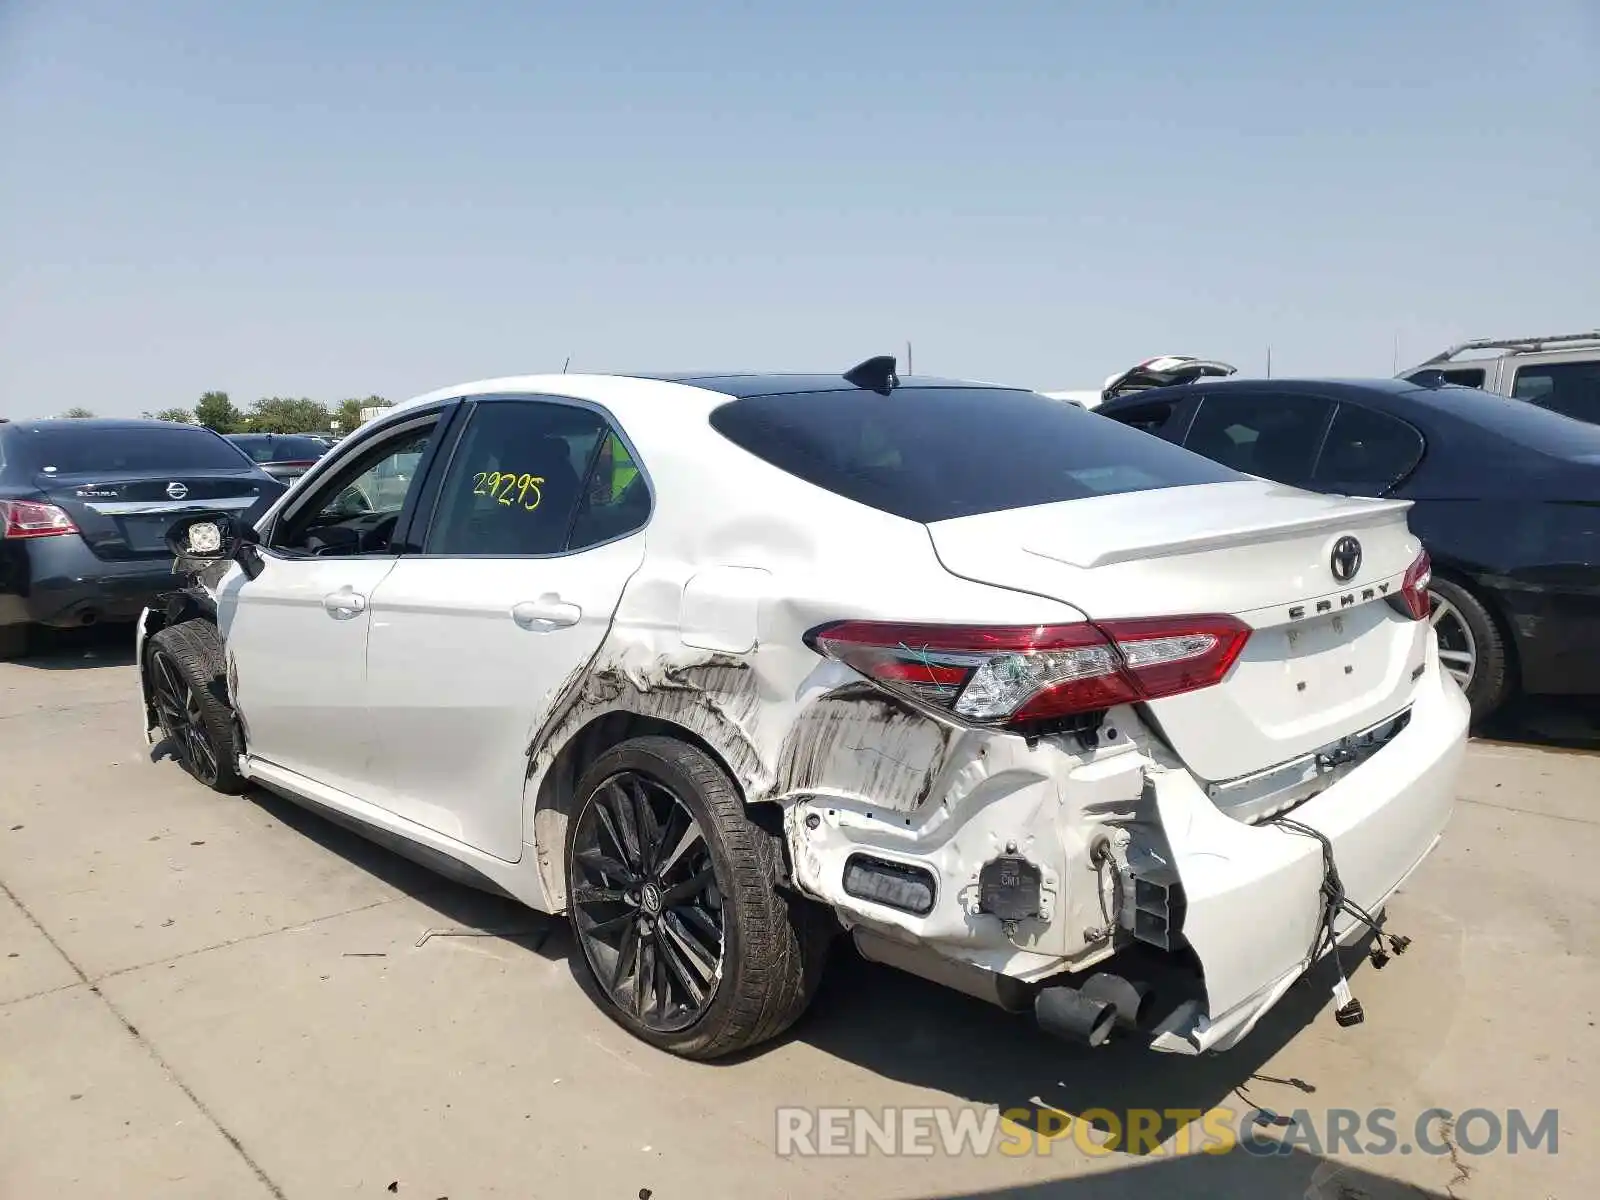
[1033,705]
[85,506]
[1561,373]
[1505,495]
[284,456]
[1161,371]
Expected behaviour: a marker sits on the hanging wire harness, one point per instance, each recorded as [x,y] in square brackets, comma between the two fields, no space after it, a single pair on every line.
[1335,902]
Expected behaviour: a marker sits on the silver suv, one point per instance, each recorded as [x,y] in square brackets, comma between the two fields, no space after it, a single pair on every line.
[1561,373]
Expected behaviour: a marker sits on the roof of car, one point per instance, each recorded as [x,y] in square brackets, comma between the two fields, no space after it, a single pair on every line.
[781,383]
[711,388]
[103,424]
[1330,387]
[1472,412]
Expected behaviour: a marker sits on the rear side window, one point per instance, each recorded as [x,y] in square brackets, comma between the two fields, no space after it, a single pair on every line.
[1460,376]
[1270,434]
[516,481]
[1366,452]
[1571,388]
[89,450]
[933,454]
[616,497]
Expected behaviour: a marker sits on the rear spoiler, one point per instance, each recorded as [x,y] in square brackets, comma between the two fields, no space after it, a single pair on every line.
[1116,546]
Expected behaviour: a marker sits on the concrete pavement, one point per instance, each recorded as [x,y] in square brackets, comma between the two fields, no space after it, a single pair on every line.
[226,998]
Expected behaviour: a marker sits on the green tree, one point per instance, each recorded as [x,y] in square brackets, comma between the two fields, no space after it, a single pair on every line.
[348,414]
[216,411]
[181,415]
[77,411]
[283,414]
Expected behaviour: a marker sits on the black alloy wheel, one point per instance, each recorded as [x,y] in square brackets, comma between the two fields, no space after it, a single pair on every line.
[647,903]
[184,670]
[182,719]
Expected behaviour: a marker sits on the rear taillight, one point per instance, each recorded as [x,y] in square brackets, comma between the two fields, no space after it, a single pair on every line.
[31,519]
[1414,601]
[1011,675]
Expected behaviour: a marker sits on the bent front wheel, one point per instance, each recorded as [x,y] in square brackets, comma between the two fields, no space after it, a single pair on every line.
[185,666]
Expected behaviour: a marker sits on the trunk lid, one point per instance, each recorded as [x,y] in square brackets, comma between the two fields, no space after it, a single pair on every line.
[1327,657]
[125,516]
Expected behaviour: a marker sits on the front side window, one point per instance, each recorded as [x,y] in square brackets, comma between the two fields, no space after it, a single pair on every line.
[515,483]
[1570,388]
[355,508]
[1366,452]
[1150,418]
[1270,434]
[933,454]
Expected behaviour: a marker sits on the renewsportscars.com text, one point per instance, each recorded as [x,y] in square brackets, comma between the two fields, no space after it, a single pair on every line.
[955,1132]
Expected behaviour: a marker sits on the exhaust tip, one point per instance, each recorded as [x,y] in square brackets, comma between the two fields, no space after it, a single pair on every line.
[1130,1000]
[1067,1013]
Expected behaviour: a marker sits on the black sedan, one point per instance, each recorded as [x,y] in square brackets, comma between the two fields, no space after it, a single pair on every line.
[284,456]
[1507,502]
[85,506]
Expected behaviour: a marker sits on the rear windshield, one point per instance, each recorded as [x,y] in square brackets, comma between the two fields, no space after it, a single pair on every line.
[1518,421]
[87,450]
[280,448]
[931,454]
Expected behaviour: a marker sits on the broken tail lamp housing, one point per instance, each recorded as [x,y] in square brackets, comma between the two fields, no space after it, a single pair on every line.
[1016,675]
[899,885]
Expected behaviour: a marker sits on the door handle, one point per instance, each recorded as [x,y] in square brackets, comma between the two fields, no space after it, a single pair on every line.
[547,612]
[344,604]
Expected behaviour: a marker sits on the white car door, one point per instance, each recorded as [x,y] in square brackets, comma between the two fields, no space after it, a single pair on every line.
[296,634]
[536,528]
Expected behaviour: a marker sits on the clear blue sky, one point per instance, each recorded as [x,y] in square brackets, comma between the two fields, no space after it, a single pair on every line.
[335,198]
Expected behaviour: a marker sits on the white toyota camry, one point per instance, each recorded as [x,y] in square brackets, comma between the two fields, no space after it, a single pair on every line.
[1021,700]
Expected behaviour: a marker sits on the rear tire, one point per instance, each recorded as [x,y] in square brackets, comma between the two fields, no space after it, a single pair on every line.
[702,957]
[187,670]
[1471,647]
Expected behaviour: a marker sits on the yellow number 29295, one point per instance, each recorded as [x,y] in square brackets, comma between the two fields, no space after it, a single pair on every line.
[509,488]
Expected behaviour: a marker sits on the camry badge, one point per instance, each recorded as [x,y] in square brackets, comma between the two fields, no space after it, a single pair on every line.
[1346,559]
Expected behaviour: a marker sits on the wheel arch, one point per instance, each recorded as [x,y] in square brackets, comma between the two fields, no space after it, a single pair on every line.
[1498,612]
[168,609]
[555,793]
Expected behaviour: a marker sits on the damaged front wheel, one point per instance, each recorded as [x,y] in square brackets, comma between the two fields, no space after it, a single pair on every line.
[185,667]
[671,893]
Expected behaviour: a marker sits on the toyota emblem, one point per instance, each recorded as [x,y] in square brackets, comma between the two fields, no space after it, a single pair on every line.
[1346,559]
[177,491]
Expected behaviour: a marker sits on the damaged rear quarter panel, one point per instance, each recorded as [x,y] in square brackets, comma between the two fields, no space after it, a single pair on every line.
[791,727]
